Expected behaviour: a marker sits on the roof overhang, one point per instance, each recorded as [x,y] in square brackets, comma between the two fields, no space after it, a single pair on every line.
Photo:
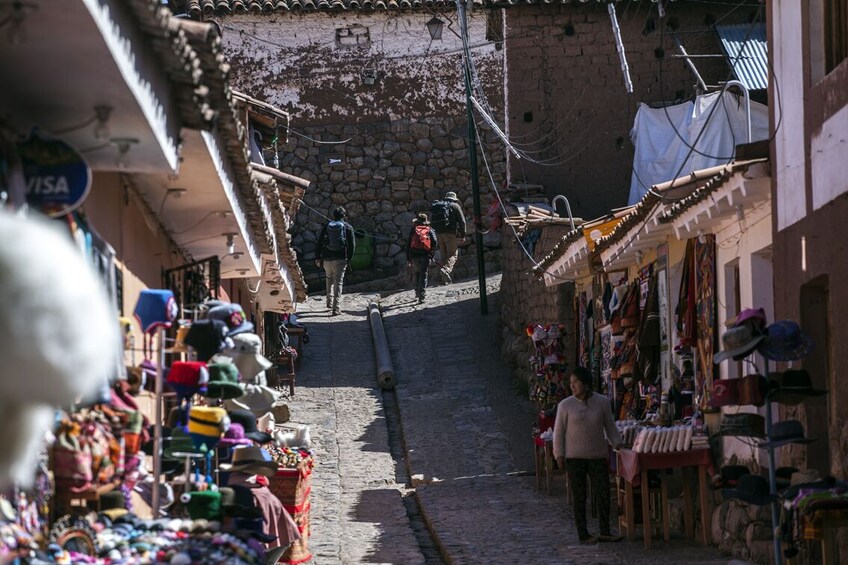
[204,204]
[739,187]
[79,54]
[643,235]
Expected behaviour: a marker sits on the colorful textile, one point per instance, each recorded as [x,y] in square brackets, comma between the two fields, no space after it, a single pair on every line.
[705,256]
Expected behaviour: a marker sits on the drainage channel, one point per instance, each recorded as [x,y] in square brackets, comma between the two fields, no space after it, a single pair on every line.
[419,528]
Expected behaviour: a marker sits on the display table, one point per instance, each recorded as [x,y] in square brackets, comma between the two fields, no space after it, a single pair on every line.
[633,468]
[296,342]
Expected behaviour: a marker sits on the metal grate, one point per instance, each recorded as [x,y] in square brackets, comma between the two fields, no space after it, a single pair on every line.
[194,283]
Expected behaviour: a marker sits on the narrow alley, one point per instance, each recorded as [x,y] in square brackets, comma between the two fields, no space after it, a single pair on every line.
[440,470]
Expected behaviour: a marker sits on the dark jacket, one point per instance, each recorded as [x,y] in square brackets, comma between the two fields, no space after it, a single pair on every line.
[410,252]
[457,220]
[323,254]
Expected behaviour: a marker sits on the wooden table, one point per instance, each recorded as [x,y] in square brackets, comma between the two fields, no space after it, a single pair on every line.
[633,468]
[296,341]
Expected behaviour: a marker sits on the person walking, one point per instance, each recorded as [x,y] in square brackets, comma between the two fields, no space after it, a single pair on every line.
[582,428]
[335,249]
[420,246]
[448,220]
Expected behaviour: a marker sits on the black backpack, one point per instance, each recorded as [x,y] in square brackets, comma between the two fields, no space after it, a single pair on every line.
[335,235]
[440,216]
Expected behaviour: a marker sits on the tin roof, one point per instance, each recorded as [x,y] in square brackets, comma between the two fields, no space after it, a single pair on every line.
[747,52]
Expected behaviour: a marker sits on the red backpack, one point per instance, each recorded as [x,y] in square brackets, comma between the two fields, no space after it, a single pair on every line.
[421,238]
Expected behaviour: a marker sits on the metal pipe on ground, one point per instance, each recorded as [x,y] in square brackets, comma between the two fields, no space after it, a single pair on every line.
[385,369]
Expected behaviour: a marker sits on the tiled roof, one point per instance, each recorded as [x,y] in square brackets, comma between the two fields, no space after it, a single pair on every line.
[198,8]
[702,192]
[180,62]
[557,252]
[204,39]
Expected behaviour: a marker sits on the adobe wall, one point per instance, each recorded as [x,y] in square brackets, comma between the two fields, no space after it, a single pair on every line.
[566,88]
[383,150]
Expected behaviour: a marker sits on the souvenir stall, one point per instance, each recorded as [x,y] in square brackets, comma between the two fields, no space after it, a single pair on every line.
[212,479]
[806,508]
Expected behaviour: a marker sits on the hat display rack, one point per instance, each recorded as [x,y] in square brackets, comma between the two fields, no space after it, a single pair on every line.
[773,344]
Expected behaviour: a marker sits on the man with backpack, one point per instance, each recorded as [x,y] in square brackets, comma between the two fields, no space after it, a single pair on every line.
[334,251]
[420,246]
[448,220]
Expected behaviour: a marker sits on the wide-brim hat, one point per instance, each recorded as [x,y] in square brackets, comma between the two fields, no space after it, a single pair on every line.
[785,432]
[729,475]
[251,460]
[249,365]
[233,316]
[256,398]
[725,392]
[247,420]
[785,342]
[223,381]
[744,424]
[794,387]
[783,476]
[451,195]
[737,342]
[753,489]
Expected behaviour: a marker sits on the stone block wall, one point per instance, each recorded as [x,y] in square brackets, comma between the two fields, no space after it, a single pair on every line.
[526,300]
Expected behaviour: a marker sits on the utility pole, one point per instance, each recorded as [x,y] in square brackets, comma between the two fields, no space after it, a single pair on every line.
[472,156]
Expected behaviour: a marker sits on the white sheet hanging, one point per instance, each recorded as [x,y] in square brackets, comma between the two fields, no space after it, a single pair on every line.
[660,151]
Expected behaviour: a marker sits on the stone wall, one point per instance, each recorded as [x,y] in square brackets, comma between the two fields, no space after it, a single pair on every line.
[526,300]
[386,173]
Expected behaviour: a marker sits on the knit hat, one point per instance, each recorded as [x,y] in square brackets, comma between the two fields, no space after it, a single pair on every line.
[233,316]
[206,425]
[234,436]
[204,505]
[223,381]
[155,308]
[187,377]
[207,337]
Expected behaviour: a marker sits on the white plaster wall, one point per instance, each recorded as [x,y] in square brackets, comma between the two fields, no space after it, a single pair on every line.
[293,61]
[789,141]
[829,166]
[749,242]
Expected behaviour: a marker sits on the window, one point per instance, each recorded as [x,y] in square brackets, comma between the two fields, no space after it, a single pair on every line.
[835,33]
[352,36]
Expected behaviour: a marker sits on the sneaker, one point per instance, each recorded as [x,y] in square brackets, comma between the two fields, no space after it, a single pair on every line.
[591,540]
[608,538]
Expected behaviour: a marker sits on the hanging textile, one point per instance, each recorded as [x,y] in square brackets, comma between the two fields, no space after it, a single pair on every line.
[705,258]
[649,334]
[684,312]
[585,345]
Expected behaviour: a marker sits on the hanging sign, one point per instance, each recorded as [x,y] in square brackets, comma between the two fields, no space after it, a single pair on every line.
[57,177]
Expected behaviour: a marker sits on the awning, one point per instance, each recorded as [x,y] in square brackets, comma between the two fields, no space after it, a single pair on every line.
[747,52]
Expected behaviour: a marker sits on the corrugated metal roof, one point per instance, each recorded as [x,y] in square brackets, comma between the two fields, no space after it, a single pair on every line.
[751,67]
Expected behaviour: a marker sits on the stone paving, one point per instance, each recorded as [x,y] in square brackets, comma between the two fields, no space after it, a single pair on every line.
[465,433]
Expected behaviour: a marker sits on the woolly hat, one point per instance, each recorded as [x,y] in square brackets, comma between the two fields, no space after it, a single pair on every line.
[49,359]
[206,425]
[235,436]
[187,377]
[223,381]
[204,505]
[233,316]
[207,337]
[155,308]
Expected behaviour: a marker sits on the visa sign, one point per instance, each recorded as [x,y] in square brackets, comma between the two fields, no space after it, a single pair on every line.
[57,177]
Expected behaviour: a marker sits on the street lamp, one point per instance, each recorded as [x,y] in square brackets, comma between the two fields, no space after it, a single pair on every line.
[434,26]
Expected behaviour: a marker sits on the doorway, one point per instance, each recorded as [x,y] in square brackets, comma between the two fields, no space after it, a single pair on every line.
[815,321]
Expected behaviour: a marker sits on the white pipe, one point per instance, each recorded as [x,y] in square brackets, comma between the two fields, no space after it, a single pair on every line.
[567,207]
[619,46]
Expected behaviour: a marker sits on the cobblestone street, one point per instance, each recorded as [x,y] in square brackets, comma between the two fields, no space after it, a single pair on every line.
[449,448]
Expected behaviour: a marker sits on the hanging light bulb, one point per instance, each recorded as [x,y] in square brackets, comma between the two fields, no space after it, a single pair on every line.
[231,243]
[124,145]
[101,127]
